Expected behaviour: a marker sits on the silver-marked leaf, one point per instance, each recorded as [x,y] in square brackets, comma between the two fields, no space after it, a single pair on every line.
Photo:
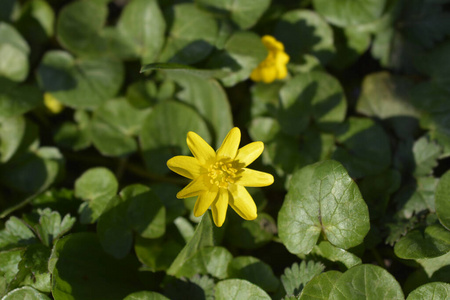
[322,199]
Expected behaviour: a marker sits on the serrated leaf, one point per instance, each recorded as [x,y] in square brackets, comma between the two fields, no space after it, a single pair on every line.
[297,276]
[15,234]
[51,227]
[430,242]
[416,196]
[197,287]
[366,282]
[398,228]
[443,200]
[238,289]
[426,154]
[322,199]
[431,291]
[255,271]
[320,286]
[95,186]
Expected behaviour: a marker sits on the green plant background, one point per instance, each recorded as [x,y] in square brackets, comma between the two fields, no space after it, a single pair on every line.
[357,138]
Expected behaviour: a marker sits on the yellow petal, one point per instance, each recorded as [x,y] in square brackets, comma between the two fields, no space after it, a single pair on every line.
[256,75]
[205,200]
[186,166]
[253,178]
[242,202]
[230,144]
[282,72]
[219,208]
[194,188]
[269,75]
[282,58]
[247,154]
[200,148]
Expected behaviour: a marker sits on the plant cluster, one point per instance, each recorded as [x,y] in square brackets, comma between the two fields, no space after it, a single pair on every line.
[350,100]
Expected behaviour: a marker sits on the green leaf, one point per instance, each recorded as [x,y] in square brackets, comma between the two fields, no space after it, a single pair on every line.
[297,276]
[209,99]
[25,292]
[314,96]
[255,271]
[244,13]
[51,227]
[388,97]
[167,194]
[157,254]
[184,69]
[426,154]
[432,242]
[346,13]
[442,200]
[250,234]
[33,268]
[434,266]
[366,282]
[142,22]
[192,34]
[322,199]
[164,132]
[81,82]
[33,172]
[357,151]
[6,9]
[96,187]
[312,36]
[203,237]
[113,127]
[415,197]
[12,130]
[320,286]
[83,271]
[209,260]
[197,287]
[17,99]
[14,52]
[242,53]
[238,289]
[79,27]
[351,43]
[9,267]
[431,291]
[145,296]
[16,234]
[335,254]
[75,136]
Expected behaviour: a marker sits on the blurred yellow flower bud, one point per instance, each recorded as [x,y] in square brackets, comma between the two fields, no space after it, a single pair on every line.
[52,104]
[274,66]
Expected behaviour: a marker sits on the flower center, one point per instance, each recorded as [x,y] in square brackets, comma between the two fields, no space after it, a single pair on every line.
[221,174]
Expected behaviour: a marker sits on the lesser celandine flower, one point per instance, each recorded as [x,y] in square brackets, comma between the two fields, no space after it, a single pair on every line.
[52,104]
[274,66]
[219,177]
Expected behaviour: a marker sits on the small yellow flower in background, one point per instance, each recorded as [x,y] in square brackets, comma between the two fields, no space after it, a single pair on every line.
[52,104]
[274,66]
[219,177]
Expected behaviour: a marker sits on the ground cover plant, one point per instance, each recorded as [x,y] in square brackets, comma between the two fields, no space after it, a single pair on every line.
[331,121]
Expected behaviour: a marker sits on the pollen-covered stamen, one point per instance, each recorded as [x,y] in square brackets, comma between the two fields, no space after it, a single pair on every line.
[222,173]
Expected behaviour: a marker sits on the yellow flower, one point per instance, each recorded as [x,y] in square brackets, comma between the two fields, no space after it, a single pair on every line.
[52,104]
[274,66]
[219,177]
